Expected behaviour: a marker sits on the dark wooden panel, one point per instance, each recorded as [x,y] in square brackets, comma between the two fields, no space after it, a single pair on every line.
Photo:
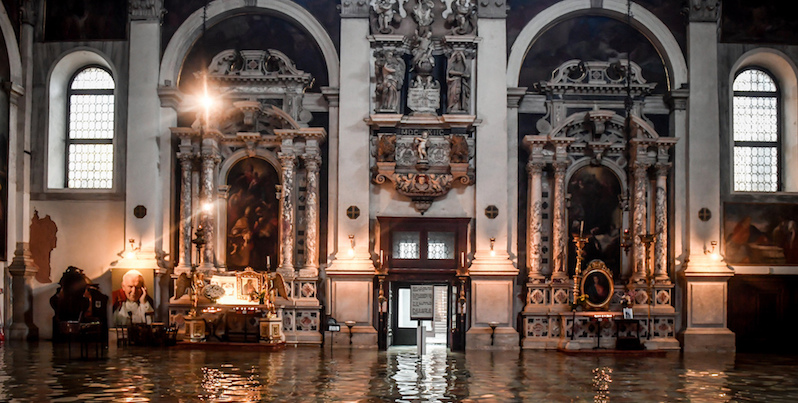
[763,311]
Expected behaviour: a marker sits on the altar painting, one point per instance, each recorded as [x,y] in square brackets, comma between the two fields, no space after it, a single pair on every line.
[595,212]
[252,215]
[760,233]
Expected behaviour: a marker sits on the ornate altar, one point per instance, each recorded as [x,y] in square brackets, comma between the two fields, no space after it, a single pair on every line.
[249,176]
[600,176]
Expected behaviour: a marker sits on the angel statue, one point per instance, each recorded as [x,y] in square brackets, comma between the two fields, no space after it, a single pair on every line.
[197,285]
[386,13]
[273,285]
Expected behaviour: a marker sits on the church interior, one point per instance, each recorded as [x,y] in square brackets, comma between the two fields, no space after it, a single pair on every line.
[505,175]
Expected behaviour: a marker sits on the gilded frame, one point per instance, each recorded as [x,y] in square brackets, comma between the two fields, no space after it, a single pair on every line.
[598,285]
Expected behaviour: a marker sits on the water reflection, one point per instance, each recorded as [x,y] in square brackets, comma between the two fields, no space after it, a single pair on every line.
[45,373]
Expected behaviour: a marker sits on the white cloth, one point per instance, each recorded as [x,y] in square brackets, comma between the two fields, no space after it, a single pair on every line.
[139,312]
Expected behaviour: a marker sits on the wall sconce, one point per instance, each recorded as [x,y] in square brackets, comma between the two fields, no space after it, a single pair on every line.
[131,254]
[350,324]
[492,242]
[711,252]
[492,330]
[351,245]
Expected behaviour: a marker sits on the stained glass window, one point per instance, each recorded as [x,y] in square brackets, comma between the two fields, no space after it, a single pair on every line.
[90,133]
[756,132]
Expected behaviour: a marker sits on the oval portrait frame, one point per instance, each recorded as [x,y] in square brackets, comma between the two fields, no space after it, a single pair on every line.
[598,285]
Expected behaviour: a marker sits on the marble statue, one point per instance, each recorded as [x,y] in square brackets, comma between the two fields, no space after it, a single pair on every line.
[458,81]
[386,11]
[421,146]
[390,69]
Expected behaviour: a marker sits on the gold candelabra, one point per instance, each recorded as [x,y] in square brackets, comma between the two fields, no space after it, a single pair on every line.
[579,242]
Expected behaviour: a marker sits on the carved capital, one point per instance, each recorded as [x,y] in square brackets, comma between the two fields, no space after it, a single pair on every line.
[146,10]
[535,168]
[560,167]
[354,9]
[704,10]
[312,161]
[492,8]
[662,168]
[27,12]
[287,160]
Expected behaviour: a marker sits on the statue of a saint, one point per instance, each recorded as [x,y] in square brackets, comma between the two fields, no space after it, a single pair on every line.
[423,61]
[390,77]
[385,14]
[457,79]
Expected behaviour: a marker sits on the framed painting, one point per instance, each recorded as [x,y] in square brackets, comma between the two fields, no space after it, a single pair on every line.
[247,282]
[597,284]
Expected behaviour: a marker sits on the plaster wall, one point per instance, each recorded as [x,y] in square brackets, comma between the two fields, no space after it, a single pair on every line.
[90,233]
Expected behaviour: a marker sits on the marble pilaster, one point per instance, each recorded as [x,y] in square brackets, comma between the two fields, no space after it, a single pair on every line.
[559,230]
[534,219]
[208,209]
[639,216]
[186,164]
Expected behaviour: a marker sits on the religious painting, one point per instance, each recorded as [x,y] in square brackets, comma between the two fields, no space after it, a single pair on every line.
[228,284]
[252,215]
[247,283]
[597,285]
[757,233]
[754,21]
[82,20]
[132,296]
[595,213]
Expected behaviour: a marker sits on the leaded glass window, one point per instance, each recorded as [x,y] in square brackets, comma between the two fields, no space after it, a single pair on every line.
[406,245]
[440,245]
[756,132]
[90,130]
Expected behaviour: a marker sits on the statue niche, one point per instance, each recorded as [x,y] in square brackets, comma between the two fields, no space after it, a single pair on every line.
[252,215]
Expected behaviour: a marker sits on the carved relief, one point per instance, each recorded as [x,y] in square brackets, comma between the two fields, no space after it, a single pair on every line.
[459,149]
[386,148]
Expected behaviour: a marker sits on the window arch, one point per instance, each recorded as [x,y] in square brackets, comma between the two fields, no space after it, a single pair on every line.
[89,162]
[756,131]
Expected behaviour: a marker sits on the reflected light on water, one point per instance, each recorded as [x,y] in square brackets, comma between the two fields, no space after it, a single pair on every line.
[45,373]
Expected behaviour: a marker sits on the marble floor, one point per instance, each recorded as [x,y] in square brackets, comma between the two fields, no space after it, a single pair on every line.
[43,372]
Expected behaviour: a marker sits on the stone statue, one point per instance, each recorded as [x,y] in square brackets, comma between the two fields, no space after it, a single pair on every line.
[386,148]
[423,62]
[421,145]
[462,16]
[390,71]
[459,149]
[422,13]
[458,81]
[386,14]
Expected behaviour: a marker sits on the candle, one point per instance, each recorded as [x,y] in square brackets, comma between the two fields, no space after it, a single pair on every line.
[582,229]
[462,260]
[268,262]
[382,259]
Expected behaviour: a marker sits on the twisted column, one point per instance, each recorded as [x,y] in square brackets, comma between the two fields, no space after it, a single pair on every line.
[559,241]
[312,163]
[660,229]
[534,222]
[288,162]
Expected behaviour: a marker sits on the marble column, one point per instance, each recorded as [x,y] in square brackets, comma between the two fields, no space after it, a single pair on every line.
[661,225]
[186,165]
[209,161]
[312,164]
[534,220]
[639,210]
[22,268]
[559,230]
[288,162]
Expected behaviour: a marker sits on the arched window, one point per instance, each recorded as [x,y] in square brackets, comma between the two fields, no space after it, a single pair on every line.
[757,150]
[89,159]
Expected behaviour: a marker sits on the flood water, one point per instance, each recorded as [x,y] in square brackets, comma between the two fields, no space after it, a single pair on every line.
[43,372]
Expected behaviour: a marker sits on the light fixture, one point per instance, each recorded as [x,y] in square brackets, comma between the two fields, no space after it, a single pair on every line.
[131,253]
[206,207]
[492,242]
[351,245]
[711,252]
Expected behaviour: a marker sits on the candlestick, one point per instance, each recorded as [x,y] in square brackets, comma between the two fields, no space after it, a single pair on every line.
[582,229]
